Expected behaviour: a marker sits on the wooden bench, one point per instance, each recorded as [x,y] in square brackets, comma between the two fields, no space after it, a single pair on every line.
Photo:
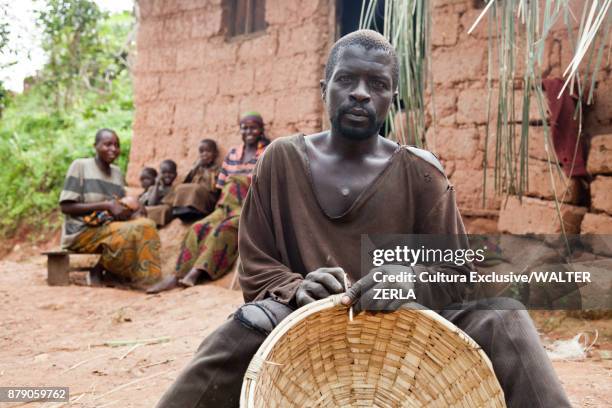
[58,267]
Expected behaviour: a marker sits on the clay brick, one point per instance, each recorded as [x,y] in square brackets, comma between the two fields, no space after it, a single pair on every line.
[469,185]
[171,87]
[223,113]
[310,72]
[141,63]
[140,119]
[305,38]
[162,59]
[480,225]
[481,32]
[472,106]
[445,104]
[264,78]
[601,194]
[199,83]
[311,8]
[457,64]
[237,81]
[445,29]
[306,105]
[190,113]
[149,33]
[190,56]
[262,49]
[150,8]
[539,183]
[600,155]
[282,12]
[537,216]
[219,54]
[285,73]
[596,224]
[141,152]
[537,144]
[146,87]
[455,144]
[159,114]
[205,23]
[177,28]
[185,5]
[602,107]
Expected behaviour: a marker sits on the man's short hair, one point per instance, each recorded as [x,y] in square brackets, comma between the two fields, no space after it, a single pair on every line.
[367,39]
[101,132]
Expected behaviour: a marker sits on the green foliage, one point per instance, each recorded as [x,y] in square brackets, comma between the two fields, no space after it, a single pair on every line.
[5,49]
[4,27]
[38,142]
[84,52]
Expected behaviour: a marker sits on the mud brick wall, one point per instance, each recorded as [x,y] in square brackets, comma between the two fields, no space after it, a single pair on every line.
[192,82]
[459,64]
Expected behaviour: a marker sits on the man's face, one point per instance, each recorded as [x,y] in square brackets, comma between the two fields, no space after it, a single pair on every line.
[250,132]
[359,92]
[107,148]
[167,174]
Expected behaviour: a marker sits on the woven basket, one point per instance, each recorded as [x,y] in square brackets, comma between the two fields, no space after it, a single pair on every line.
[316,357]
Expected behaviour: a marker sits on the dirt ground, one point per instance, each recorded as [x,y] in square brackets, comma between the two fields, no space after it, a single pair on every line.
[63,336]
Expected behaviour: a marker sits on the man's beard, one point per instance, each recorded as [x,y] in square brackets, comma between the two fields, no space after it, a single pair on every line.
[355,133]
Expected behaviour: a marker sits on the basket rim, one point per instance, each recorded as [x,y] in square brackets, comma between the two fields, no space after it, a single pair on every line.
[254,369]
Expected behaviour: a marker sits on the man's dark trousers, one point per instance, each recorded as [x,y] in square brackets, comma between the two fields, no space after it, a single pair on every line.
[504,330]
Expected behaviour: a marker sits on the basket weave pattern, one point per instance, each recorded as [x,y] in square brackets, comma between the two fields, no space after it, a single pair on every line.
[409,358]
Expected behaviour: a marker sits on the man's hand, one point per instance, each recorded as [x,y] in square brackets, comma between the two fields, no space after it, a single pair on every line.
[373,293]
[118,210]
[320,284]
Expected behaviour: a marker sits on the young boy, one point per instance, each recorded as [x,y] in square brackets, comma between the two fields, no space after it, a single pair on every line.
[161,194]
[148,175]
[206,169]
[196,196]
[163,183]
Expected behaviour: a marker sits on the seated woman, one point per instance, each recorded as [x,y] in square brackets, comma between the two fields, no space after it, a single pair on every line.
[97,218]
[211,245]
[159,197]
[196,196]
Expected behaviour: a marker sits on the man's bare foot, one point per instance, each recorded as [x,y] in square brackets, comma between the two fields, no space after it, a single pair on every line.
[191,278]
[167,283]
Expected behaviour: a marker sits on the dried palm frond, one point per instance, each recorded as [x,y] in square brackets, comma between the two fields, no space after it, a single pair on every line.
[518,30]
[406,25]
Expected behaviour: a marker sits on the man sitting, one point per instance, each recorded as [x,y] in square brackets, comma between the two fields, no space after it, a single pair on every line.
[310,201]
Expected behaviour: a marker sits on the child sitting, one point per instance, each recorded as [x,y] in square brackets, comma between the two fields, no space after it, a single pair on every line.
[160,196]
[205,170]
[196,196]
[148,175]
